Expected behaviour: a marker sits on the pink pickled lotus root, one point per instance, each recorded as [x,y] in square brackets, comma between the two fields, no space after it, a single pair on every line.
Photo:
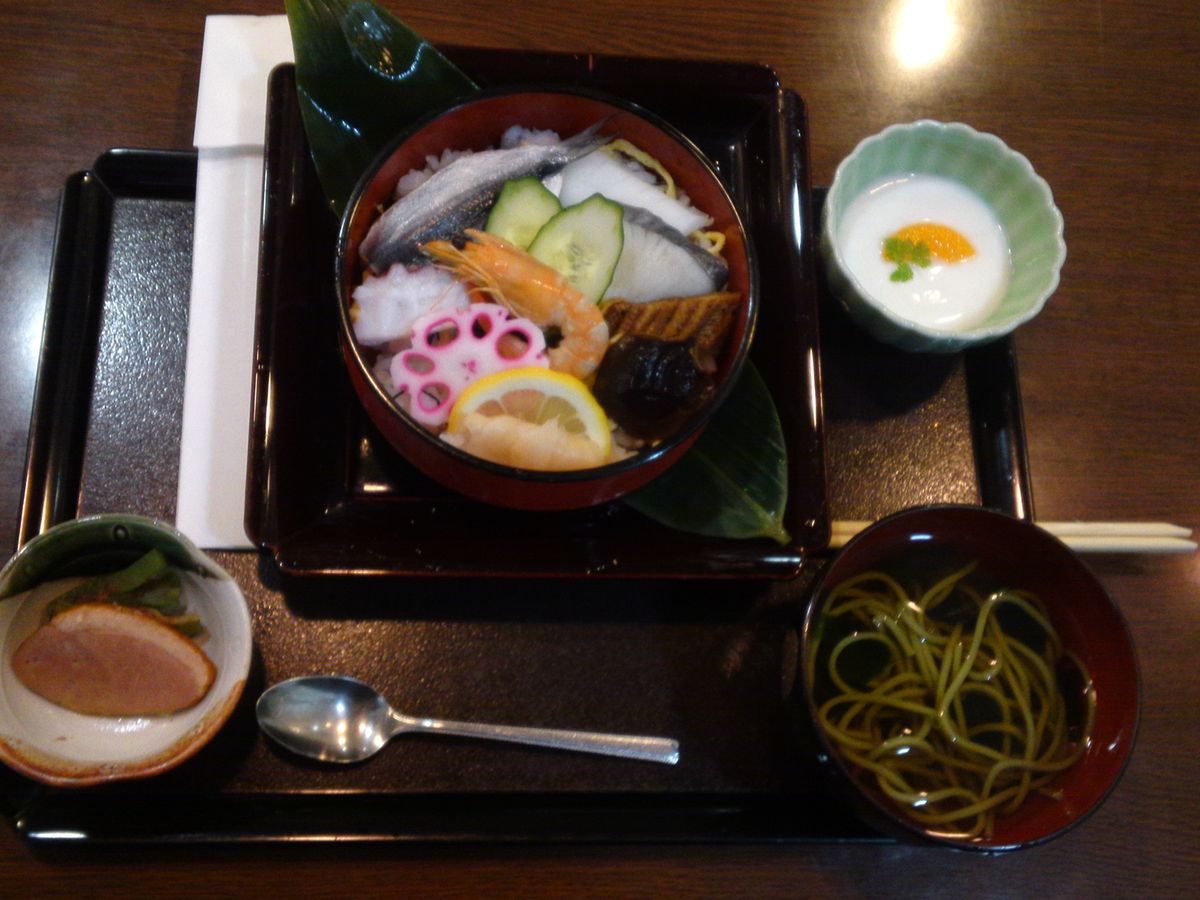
[452,349]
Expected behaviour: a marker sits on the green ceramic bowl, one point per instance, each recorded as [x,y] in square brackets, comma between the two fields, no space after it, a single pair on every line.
[1004,179]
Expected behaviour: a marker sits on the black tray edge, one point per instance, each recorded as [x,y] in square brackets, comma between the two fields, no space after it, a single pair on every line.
[810,537]
[998,428]
[58,421]
[61,820]
[794,113]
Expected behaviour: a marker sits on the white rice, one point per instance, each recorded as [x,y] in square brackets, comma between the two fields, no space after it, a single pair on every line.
[382,370]
[517,136]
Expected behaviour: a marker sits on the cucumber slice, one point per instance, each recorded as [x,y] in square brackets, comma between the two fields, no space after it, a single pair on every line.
[583,244]
[523,207]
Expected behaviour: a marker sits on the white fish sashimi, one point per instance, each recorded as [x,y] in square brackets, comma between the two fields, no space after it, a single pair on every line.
[656,262]
[601,173]
[389,304]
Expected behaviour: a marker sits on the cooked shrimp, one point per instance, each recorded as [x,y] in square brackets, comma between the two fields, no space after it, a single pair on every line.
[531,289]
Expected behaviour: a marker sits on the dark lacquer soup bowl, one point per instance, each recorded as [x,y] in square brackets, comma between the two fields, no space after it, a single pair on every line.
[969,678]
[652,147]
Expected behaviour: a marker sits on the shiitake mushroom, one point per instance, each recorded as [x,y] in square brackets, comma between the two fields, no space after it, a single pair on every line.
[650,386]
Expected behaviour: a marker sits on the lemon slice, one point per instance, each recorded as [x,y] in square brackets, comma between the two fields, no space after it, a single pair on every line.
[533,418]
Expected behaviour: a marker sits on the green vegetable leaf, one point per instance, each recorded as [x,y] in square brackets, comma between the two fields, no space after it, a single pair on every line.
[732,483]
[895,249]
[906,254]
[361,77]
[126,584]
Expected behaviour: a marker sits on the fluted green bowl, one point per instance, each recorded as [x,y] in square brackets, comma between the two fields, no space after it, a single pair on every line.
[1002,178]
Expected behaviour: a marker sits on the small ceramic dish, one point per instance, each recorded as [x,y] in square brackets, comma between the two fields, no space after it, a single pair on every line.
[476,124]
[57,746]
[855,641]
[1002,179]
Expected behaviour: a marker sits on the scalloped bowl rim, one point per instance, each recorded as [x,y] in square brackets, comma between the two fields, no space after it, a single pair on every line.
[973,335]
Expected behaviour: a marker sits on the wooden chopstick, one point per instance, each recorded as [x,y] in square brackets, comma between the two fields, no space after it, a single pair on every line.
[1141,529]
[1086,537]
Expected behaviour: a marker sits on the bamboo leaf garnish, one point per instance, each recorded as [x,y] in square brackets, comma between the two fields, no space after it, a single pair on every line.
[362,76]
[732,483]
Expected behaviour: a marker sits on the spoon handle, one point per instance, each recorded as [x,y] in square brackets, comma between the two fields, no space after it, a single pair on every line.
[653,749]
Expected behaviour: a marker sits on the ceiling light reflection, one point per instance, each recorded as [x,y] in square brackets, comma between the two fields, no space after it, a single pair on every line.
[923,32]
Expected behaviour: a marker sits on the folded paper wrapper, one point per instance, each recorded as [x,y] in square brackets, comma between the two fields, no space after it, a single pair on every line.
[238,56]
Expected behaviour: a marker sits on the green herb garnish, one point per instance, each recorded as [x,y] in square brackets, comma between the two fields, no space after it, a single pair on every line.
[906,254]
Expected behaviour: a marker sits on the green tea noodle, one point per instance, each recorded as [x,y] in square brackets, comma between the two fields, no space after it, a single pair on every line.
[959,719]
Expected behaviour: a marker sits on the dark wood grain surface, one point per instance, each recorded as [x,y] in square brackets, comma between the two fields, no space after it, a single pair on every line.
[1102,96]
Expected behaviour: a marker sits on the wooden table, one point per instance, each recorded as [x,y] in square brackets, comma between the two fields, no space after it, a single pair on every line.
[1102,97]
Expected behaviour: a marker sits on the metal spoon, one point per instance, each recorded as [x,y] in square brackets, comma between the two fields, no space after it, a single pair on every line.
[338,719]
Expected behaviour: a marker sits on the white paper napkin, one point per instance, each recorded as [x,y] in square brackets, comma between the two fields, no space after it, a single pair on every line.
[239,53]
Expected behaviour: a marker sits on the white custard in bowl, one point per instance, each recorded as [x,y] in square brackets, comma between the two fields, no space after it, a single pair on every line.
[927,248]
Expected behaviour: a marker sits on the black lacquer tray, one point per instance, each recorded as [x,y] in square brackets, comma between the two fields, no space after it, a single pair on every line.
[327,495]
[710,662]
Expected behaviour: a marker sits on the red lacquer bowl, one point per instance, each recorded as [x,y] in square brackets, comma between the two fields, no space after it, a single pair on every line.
[1020,555]
[477,124]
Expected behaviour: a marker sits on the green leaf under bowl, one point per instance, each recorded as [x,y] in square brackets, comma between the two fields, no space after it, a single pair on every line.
[732,483]
[362,76]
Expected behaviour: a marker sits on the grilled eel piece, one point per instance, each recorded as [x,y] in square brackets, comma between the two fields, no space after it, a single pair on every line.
[704,320]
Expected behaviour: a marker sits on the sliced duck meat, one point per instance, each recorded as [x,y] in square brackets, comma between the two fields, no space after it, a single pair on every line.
[108,660]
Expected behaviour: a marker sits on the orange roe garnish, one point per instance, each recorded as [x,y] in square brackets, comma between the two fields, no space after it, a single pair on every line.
[944,243]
